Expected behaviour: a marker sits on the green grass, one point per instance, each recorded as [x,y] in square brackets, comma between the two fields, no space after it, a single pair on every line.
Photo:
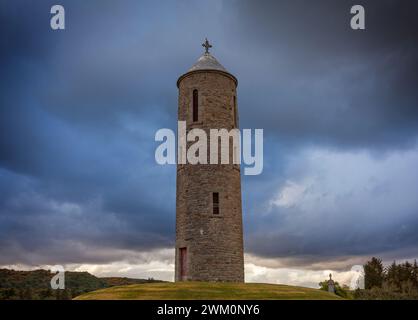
[207,290]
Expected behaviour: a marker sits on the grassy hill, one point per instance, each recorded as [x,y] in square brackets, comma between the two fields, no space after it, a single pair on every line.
[207,290]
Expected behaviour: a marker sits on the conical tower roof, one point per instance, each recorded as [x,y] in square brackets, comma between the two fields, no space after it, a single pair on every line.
[207,62]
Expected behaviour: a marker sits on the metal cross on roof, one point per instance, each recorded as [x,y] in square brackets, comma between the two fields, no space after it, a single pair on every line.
[206,45]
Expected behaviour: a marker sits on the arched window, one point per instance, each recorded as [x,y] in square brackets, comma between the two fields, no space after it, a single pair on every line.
[195,106]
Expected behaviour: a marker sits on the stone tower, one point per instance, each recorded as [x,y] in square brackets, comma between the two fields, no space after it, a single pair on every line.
[209,240]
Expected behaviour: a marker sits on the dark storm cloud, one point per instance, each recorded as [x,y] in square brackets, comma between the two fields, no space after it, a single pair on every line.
[323,81]
[80,107]
[77,151]
[327,85]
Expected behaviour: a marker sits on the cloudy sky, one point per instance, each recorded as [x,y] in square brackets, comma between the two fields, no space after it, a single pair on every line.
[79,109]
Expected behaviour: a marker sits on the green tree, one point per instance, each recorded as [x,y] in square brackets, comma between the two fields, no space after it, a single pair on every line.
[415,273]
[373,273]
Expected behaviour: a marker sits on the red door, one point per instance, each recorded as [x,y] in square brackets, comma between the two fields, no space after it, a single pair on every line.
[183,264]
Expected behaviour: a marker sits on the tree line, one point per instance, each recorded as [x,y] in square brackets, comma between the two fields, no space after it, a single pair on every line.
[393,282]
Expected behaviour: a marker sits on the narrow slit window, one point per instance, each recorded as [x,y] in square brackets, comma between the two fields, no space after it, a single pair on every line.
[195,106]
[215,198]
[235,112]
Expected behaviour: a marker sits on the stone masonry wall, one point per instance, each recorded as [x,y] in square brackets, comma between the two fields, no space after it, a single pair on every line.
[214,242]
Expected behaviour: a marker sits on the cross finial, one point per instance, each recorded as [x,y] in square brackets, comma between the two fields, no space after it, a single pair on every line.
[206,45]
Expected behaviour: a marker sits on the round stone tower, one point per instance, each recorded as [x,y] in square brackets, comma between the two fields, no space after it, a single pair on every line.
[209,240]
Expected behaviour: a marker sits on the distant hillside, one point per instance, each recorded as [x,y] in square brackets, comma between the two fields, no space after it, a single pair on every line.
[36,284]
[118,281]
[208,290]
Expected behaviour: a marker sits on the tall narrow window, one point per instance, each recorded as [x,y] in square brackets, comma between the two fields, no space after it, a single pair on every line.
[235,112]
[195,106]
[183,264]
[215,200]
